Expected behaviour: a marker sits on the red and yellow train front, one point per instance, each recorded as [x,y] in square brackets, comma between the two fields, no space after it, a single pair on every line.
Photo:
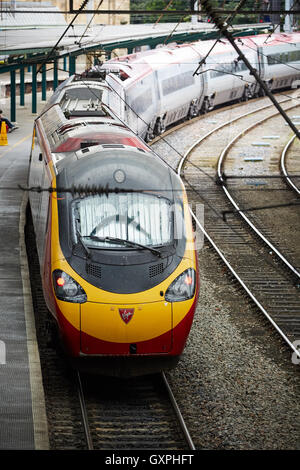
[115,295]
[147,322]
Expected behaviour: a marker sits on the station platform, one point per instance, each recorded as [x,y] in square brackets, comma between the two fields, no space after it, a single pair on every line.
[23,422]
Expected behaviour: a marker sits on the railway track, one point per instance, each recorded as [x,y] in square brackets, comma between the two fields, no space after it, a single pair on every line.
[63,405]
[292,180]
[268,276]
[139,413]
[88,412]
[257,265]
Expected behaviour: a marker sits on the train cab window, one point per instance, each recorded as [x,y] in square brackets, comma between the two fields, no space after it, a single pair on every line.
[137,217]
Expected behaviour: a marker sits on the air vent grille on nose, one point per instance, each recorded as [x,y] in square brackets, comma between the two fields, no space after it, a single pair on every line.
[93,270]
[156,269]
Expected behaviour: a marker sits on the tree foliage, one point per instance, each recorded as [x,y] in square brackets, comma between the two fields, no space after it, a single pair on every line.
[249,5]
[159,5]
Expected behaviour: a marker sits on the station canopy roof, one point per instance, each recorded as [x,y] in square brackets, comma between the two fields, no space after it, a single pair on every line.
[26,38]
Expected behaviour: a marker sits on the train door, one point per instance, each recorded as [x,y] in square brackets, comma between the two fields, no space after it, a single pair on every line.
[246,82]
[158,93]
[172,97]
[201,81]
[147,105]
[262,61]
[227,81]
[132,98]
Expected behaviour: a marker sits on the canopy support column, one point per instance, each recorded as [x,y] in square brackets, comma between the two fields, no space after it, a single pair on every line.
[72,65]
[13,95]
[44,82]
[34,90]
[22,86]
[55,75]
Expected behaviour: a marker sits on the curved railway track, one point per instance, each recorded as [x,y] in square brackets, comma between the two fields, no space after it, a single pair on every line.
[292,180]
[251,264]
[237,207]
[249,252]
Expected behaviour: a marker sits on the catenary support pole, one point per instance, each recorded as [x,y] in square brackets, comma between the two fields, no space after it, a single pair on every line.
[55,75]
[72,65]
[222,26]
[44,82]
[13,95]
[34,90]
[22,86]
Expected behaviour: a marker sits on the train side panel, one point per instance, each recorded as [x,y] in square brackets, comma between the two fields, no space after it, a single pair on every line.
[141,104]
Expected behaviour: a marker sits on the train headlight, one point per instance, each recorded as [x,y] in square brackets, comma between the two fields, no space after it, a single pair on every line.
[67,289]
[183,287]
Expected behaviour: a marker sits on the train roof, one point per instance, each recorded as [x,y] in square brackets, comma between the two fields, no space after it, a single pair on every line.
[73,138]
[136,65]
[139,64]
[122,168]
[274,39]
[78,95]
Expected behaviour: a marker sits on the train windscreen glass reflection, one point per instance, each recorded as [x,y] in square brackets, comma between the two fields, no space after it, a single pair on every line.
[137,217]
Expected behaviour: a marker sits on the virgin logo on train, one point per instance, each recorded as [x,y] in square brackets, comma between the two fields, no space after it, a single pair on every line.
[126,314]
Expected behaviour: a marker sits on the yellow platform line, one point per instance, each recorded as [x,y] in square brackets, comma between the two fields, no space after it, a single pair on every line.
[16,144]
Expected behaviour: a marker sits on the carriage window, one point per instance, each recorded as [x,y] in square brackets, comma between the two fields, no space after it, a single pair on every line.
[283,57]
[177,82]
[137,217]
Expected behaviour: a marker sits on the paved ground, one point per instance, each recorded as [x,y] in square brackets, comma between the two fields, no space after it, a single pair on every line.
[22,414]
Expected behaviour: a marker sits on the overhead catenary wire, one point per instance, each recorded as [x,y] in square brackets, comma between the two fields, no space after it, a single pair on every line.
[170,13]
[89,23]
[159,18]
[229,19]
[223,27]
[100,190]
[81,8]
[278,24]
[161,137]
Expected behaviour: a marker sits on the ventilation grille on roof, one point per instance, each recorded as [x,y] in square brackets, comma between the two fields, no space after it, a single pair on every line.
[113,146]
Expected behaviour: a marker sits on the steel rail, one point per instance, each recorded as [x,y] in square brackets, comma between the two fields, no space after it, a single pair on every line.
[241,282]
[85,420]
[178,413]
[235,204]
[174,404]
[283,166]
[201,139]
[219,252]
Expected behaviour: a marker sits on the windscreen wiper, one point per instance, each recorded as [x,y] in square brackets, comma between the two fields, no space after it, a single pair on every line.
[88,253]
[122,241]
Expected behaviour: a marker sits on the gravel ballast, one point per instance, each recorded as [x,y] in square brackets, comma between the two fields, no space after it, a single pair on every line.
[236,383]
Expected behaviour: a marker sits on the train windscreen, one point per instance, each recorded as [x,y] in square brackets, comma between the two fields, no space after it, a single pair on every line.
[136,217]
